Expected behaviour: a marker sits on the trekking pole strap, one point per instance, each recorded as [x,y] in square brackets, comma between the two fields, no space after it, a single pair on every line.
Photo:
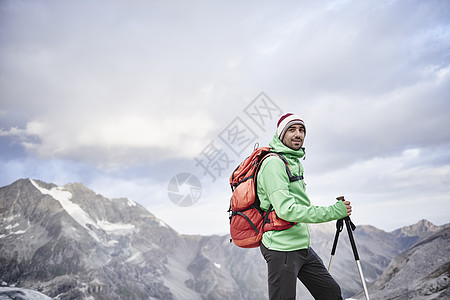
[339,226]
[350,227]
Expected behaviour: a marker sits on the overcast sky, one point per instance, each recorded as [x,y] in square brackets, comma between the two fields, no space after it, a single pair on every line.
[123,96]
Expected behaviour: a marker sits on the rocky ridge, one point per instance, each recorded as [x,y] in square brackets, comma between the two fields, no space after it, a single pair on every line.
[422,272]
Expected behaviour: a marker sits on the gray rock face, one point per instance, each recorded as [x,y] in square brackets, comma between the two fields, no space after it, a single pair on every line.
[71,243]
[422,272]
[8,293]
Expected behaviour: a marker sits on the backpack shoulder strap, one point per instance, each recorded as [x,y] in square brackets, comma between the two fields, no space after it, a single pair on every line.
[288,170]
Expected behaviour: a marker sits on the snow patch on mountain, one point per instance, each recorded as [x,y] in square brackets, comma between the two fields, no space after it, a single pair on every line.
[80,216]
[115,228]
[19,231]
[12,226]
[63,197]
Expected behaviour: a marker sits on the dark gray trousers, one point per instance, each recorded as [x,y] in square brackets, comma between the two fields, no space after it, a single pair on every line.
[285,267]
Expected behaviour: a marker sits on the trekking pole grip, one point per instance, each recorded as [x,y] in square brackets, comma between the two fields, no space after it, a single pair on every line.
[341,198]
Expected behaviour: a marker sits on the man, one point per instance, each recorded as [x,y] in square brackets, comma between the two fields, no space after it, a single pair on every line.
[287,252]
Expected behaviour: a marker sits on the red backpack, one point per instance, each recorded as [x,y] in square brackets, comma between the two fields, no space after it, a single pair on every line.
[248,221]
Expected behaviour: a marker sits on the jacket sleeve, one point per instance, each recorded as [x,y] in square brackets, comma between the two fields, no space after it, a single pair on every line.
[291,202]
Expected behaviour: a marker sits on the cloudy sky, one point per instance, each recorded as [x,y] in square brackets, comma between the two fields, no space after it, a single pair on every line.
[128,96]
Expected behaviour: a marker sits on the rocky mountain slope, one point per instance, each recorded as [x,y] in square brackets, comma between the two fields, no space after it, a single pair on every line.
[71,243]
[422,272]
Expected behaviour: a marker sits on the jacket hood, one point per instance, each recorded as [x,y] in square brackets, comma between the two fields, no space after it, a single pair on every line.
[277,146]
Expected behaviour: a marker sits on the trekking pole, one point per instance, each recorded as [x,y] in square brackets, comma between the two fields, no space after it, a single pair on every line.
[350,227]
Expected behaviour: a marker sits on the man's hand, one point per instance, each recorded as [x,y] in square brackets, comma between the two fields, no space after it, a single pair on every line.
[348,206]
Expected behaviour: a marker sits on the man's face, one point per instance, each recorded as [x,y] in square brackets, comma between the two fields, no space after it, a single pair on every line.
[294,137]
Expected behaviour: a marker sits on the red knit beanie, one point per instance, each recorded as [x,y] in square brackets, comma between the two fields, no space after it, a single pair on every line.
[287,121]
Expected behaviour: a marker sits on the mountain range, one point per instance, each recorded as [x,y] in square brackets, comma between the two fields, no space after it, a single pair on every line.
[68,242]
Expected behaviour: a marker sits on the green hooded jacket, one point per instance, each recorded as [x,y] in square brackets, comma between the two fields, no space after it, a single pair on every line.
[289,200]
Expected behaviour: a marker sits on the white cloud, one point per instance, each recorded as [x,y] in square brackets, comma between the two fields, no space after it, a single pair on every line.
[116,140]
[346,129]
[388,191]
[13,131]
